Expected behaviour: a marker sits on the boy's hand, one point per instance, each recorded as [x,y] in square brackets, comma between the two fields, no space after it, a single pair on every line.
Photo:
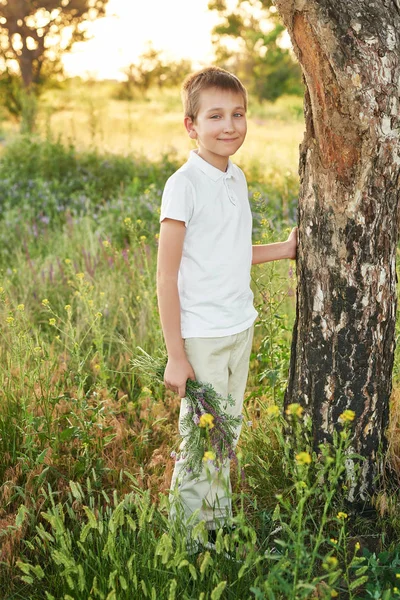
[292,242]
[177,372]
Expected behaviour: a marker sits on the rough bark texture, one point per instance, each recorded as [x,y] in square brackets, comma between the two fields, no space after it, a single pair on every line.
[344,336]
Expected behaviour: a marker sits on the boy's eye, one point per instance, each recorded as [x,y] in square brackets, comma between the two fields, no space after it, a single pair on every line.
[215,117]
[238,115]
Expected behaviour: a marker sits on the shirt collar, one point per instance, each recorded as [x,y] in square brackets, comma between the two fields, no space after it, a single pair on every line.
[211,171]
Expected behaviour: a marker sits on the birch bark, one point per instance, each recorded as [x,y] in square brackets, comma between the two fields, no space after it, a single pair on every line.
[344,335]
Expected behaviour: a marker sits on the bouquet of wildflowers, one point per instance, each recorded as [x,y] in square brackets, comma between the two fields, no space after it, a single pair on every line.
[209,431]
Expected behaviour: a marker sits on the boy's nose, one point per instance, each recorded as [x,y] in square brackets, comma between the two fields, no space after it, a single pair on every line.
[229,126]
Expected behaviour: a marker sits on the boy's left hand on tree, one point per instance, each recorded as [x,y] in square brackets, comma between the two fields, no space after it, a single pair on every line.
[292,242]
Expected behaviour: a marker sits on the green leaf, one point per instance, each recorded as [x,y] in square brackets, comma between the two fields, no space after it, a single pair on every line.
[21,514]
[76,491]
[193,572]
[172,590]
[207,560]
[217,592]
[358,582]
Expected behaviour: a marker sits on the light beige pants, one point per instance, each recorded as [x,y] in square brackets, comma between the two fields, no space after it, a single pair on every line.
[222,362]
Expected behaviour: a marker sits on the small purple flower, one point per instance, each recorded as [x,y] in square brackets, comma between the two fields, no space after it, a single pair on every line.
[173,454]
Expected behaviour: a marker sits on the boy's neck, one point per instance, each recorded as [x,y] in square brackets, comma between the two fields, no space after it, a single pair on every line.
[219,162]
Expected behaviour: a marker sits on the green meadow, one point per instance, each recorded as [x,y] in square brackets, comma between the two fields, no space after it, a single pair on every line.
[86,441]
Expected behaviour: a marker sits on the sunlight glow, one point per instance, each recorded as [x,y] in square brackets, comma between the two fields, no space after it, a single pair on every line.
[180,29]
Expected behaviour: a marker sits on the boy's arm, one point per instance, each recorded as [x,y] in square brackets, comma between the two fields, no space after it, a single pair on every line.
[277,251]
[178,369]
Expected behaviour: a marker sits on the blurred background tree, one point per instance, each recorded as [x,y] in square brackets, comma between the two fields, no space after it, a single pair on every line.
[249,41]
[34,34]
[151,69]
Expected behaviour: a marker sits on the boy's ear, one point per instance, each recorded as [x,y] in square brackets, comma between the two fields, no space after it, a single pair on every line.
[189,125]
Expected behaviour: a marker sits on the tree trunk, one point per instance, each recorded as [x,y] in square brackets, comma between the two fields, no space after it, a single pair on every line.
[344,335]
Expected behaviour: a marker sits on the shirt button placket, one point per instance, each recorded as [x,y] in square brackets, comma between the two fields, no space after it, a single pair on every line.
[228,191]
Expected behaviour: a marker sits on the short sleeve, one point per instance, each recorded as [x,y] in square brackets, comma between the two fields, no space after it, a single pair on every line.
[177,199]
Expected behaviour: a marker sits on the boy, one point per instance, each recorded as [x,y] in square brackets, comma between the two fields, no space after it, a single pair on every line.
[203,274]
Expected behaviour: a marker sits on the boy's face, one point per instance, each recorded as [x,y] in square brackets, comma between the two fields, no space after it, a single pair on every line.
[220,127]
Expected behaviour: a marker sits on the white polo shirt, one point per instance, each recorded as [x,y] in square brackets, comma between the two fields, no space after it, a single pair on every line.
[214,274]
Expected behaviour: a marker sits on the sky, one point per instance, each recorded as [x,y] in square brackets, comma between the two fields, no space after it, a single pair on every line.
[180,28]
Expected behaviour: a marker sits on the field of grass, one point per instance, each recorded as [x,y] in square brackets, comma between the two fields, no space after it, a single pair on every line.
[89,117]
[86,441]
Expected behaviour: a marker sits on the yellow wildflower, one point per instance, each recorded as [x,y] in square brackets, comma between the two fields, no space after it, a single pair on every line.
[1,290]
[138,221]
[331,562]
[273,410]
[21,307]
[80,276]
[68,261]
[90,303]
[206,420]
[397,575]
[10,320]
[334,541]
[357,547]
[347,416]
[334,594]
[342,515]
[67,307]
[45,302]
[143,238]
[127,221]
[146,390]
[157,236]
[208,456]
[295,410]
[52,321]
[106,244]
[303,458]
[98,315]
[97,367]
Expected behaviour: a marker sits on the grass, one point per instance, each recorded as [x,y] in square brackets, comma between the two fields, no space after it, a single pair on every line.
[87,116]
[85,442]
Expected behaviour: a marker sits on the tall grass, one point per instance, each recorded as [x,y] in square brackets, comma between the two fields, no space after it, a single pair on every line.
[85,443]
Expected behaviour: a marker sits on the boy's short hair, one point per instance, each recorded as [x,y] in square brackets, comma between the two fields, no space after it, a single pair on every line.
[209,77]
